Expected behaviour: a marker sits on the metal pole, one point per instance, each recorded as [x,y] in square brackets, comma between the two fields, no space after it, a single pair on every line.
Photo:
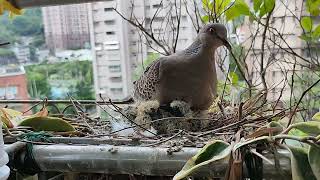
[93,102]
[43,3]
[148,161]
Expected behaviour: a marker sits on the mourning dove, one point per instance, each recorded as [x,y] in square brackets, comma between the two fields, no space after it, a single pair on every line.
[189,75]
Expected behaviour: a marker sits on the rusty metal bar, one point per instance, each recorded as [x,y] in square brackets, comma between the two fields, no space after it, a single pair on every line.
[43,3]
[87,102]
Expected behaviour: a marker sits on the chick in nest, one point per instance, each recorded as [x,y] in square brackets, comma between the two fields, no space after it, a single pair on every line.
[143,113]
[130,112]
[181,108]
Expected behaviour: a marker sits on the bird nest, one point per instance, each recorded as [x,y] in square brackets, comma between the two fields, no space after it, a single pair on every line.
[149,124]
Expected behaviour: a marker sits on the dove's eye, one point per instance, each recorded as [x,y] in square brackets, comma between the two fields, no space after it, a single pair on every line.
[211,30]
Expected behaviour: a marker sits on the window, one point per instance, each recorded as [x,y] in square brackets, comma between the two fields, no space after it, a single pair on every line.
[116,79]
[108,9]
[115,68]
[9,92]
[157,6]
[110,32]
[116,90]
[109,22]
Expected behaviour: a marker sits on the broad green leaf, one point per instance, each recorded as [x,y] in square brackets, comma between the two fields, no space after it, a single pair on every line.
[262,7]
[251,141]
[314,160]
[297,133]
[316,117]
[234,78]
[306,23]
[266,7]
[316,34]
[257,5]
[207,5]
[220,5]
[205,18]
[47,124]
[240,7]
[300,167]
[214,151]
[306,37]
[311,128]
[313,7]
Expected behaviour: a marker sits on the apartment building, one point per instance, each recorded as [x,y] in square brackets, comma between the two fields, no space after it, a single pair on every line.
[66,27]
[118,47]
[280,63]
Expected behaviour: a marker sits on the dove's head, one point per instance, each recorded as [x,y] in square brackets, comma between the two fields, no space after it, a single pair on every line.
[214,35]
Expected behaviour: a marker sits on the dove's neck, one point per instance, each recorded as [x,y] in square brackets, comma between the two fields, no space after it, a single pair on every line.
[198,48]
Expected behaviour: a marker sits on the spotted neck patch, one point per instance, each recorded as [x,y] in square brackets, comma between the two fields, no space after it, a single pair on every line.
[193,49]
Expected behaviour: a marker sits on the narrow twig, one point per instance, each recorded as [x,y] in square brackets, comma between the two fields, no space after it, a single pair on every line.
[4,44]
[165,140]
[131,121]
[299,101]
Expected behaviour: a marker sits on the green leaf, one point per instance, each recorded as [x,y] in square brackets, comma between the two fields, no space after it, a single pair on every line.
[300,167]
[312,128]
[306,37]
[275,124]
[316,117]
[214,151]
[220,5]
[234,78]
[267,7]
[314,160]
[313,7]
[306,23]
[240,7]
[207,5]
[251,141]
[205,18]
[257,5]
[47,124]
[316,34]
[262,7]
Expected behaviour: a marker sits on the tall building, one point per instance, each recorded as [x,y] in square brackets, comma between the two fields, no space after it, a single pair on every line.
[279,62]
[118,46]
[66,27]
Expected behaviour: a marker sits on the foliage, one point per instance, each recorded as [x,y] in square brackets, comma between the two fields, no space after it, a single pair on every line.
[305,162]
[47,124]
[28,24]
[141,67]
[76,76]
[38,83]
[39,121]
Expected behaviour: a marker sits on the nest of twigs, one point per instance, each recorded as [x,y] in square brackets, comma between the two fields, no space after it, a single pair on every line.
[174,125]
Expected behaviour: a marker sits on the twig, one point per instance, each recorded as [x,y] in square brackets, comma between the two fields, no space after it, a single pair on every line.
[253,151]
[131,121]
[4,44]
[299,101]
[165,140]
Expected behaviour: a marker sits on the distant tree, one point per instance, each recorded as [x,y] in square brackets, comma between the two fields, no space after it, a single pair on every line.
[141,67]
[38,84]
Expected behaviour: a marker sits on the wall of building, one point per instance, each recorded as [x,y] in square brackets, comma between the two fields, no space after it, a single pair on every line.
[66,27]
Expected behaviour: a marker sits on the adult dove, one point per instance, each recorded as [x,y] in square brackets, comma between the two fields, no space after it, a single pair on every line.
[189,75]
